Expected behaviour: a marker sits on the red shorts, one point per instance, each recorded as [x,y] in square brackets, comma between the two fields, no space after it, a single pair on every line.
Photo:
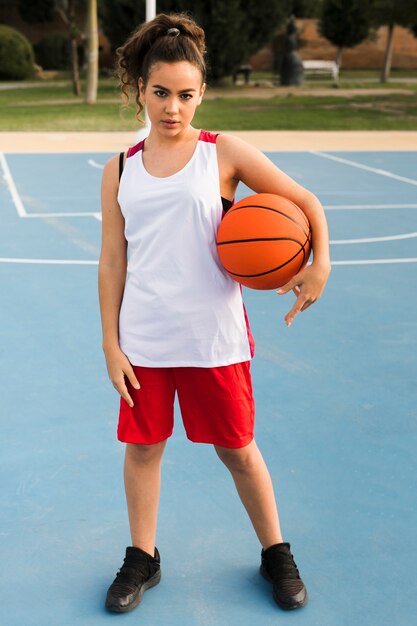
[216,405]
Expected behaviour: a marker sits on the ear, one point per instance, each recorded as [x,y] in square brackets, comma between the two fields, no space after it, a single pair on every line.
[202,90]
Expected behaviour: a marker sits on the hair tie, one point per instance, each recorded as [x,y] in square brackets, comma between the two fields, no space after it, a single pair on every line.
[174,32]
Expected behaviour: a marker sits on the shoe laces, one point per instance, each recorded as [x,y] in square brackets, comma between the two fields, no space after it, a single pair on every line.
[284,573]
[133,571]
[283,567]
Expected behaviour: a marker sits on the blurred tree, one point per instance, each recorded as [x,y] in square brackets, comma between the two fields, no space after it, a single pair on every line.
[235,29]
[38,11]
[391,13]
[118,18]
[16,55]
[227,35]
[305,8]
[345,23]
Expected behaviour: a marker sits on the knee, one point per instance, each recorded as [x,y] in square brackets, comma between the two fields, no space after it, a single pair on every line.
[143,453]
[240,460]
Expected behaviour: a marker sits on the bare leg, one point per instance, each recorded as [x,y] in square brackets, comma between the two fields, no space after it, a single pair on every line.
[255,489]
[142,475]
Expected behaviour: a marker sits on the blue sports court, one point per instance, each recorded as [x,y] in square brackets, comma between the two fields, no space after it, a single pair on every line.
[336,417]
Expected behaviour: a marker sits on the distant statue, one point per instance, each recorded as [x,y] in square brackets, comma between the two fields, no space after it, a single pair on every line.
[292,72]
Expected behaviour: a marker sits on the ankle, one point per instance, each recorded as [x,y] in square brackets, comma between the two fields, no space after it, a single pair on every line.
[269,544]
[145,547]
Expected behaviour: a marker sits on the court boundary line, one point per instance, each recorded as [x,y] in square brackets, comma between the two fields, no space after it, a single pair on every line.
[332,207]
[368,168]
[95,262]
[19,206]
[375,261]
[8,178]
[363,207]
[95,214]
[48,261]
[93,163]
[374,239]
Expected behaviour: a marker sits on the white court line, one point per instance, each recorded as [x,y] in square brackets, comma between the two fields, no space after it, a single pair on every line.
[21,211]
[69,214]
[48,261]
[12,187]
[375,261]
[68,262]
[361,207]
[375,239]
[374,170]
[95,164]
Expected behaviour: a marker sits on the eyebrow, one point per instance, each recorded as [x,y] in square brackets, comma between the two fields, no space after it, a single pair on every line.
[166,89]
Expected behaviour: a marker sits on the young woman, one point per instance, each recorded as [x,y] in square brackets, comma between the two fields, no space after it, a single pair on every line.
[173,320]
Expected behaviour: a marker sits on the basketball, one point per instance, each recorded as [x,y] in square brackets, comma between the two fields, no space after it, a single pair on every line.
[263,241]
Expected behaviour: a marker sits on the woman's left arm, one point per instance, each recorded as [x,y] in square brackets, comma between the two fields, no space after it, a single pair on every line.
[252,167]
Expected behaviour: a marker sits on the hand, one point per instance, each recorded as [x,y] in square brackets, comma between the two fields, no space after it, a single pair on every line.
[308,285]
[119,366]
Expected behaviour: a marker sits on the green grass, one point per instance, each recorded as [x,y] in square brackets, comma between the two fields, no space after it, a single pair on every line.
[397,112]
[52,107]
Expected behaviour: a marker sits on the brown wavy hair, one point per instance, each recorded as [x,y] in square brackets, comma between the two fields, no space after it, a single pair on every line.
[151,43]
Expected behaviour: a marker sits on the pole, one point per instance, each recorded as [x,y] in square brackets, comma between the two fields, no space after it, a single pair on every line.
[92,53]
[150,10]
[144,132]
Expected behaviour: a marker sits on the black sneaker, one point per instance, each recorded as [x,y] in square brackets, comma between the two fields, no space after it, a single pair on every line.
[139,572]
[279,568]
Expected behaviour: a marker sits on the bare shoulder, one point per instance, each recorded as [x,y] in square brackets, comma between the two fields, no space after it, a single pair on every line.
[243,158]
[232,145]
[111,171]
[110,188]
[233,152]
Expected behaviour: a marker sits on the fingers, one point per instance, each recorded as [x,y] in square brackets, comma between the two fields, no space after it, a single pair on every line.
[121,374]
[121,387]
[294,311]
[301,304]
[308,303]
[132,378]
[292,284]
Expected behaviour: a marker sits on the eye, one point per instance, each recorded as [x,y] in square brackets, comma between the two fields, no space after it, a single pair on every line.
[186,96]
[160,93]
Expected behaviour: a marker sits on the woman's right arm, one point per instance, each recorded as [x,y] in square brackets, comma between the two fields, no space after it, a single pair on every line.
[111,280]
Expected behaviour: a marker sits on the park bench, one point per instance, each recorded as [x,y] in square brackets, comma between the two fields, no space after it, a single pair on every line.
[246,70]
[320,68]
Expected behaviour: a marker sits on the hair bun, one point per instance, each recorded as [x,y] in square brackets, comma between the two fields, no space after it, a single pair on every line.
[173,32]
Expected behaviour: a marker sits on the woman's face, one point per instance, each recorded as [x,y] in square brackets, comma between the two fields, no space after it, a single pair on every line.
[171,96]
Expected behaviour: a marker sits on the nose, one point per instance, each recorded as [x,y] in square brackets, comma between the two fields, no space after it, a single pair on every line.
[171,106]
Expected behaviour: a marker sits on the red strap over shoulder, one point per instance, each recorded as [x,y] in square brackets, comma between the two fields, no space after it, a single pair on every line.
[207,136]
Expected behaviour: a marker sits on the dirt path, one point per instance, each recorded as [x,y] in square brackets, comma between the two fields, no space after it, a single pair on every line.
[320,92]
[264,140]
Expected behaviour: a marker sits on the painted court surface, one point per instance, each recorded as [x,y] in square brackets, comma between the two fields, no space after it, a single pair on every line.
[336,416]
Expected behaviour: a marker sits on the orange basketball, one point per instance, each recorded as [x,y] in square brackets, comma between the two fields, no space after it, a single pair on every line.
[263,241]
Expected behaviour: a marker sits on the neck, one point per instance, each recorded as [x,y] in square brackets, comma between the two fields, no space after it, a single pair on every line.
[157,140]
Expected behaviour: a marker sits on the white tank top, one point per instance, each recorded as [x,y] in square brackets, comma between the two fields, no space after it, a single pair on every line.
[179,307]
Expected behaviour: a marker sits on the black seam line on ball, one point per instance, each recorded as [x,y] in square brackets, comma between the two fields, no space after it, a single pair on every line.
[222,243]
[267,208]
[269,271]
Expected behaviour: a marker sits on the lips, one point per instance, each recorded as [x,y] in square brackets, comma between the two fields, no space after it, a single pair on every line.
[170,122]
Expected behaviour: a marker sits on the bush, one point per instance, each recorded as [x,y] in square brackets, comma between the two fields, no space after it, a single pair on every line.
[16,55]
[53,52]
